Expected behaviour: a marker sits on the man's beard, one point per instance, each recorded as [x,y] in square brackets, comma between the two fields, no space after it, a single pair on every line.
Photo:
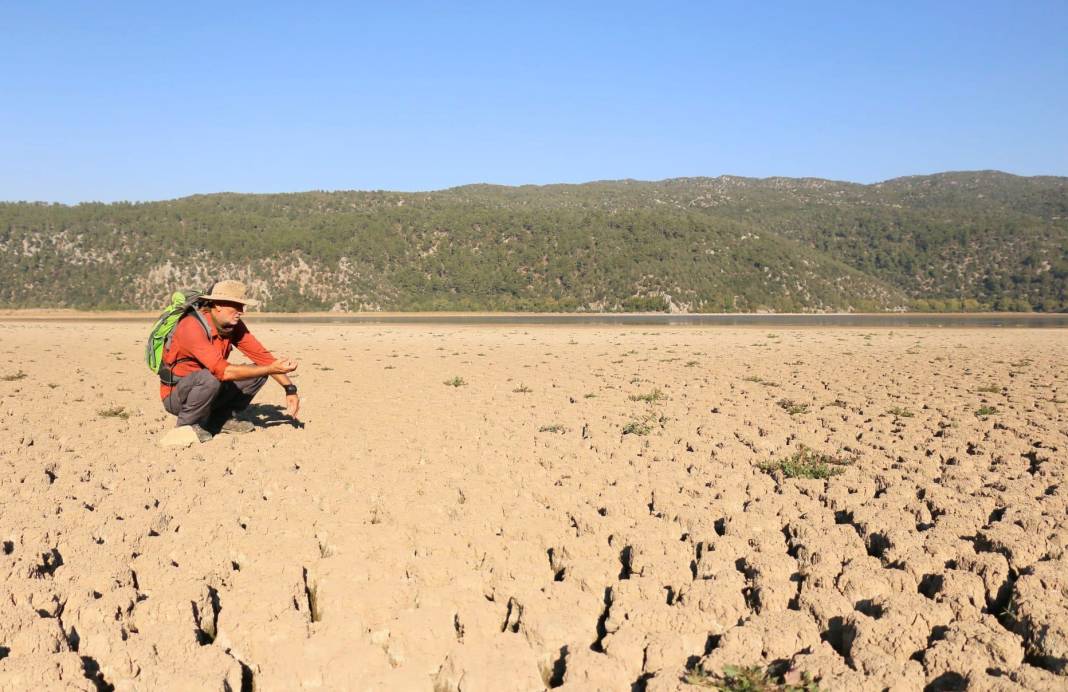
[225,329]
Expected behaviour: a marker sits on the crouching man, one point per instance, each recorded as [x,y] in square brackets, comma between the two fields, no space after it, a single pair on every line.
[206,390]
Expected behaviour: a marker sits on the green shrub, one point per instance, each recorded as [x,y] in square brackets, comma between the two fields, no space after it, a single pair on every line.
[747,679]
[114,412]
[807,463]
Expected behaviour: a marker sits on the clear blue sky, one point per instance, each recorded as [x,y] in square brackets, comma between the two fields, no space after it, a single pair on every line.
[138,101]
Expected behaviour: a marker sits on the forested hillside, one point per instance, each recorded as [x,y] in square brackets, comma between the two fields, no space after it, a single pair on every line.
[980,240]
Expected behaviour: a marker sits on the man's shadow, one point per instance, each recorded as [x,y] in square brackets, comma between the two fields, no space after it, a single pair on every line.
[269,415]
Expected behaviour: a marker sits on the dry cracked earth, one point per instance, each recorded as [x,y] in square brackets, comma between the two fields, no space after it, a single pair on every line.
[490,508]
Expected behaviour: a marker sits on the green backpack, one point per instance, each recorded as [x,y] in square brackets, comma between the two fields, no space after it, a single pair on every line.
[183,303]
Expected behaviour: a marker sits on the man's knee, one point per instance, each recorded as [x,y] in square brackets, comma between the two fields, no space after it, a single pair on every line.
[203,380]
[251,386]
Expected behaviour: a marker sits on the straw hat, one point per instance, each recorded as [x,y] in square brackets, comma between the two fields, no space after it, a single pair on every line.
[233,291]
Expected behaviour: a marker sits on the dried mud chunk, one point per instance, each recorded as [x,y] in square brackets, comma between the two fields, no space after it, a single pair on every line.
[34,635]
[485,669]
[882,653]
[830,545]
[944,504]
[1020,548]
[968,649]
[718,599]
[849,492]
[764,638]
[888,533]
[420,637]
[664,681]
[144,664]
[1039,613]
[883,648]
[828,608]
[64,671]
[560,616]
[993,569]
[639,616]
[866,579]
[626,645]
[666,651]
[667,561]
[772,581]
[596,672]
[962,591]
[1038,679]
[721,554]
[826,668]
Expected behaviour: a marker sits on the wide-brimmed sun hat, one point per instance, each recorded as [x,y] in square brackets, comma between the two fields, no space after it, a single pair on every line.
[232,291]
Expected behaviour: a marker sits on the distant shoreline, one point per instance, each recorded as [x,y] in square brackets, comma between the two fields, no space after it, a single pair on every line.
[67,313]
[891,320]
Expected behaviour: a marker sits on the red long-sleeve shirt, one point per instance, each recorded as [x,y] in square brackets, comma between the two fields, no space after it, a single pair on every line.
[190,341]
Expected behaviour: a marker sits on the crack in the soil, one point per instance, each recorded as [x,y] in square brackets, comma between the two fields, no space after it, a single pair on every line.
[602,631]
[311,593]
[91,670]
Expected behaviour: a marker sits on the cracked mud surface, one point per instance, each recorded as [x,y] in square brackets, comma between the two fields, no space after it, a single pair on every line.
[506,533]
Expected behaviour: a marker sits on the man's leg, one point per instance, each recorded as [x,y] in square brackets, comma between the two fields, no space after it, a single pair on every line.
[191,400]
[234,396]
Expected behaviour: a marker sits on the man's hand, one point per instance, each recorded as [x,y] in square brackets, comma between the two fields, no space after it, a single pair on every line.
[282,366]
[292,405]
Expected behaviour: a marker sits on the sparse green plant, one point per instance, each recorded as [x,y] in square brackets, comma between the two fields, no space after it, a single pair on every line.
[554,428]
[839,403]
[522,389]
[984,411]
[1021,363]
[13,377]
[114,412]
[636,427]
[747,679]
[456,382]
[792,407]
[653,396]
[753,378]
[990,389]
[692,363]
[900,412]
[807,463]
[589,395]
[645,424]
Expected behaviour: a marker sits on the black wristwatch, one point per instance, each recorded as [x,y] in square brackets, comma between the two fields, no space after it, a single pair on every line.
[291,389]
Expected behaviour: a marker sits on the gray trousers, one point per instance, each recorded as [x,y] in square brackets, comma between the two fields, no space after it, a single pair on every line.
[200,398]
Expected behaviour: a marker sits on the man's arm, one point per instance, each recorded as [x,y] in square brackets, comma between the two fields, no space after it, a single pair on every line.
[247,372]
[292,400]
[257,353]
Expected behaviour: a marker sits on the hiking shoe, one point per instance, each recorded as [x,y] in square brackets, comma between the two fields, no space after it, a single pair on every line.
[236,426]
[202,434]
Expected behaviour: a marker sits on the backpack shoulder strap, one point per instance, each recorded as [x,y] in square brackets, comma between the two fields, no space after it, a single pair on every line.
[203,323]
[190,310]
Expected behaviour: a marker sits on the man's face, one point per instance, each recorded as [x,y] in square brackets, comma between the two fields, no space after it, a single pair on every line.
[226,315]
